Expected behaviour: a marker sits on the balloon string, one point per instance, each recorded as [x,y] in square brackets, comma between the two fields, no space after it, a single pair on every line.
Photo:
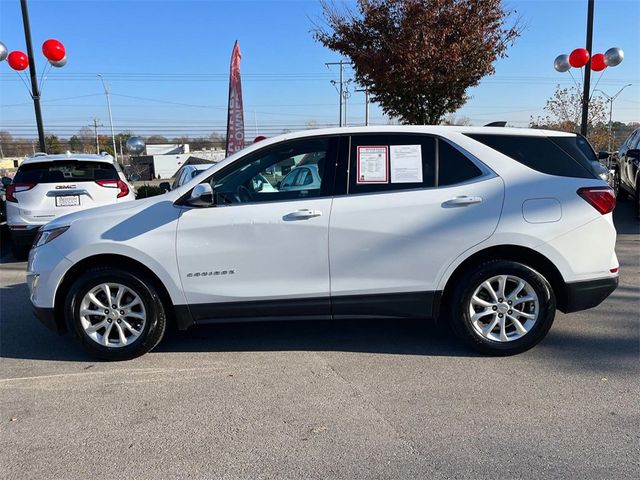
[25,84]
[596,85]
[44,69]
[43,78]
[574,80]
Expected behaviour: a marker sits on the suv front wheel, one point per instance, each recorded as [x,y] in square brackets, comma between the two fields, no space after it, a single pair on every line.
[114,314]
[502,307]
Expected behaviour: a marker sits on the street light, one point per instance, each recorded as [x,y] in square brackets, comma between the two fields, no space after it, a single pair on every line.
[610,99]
[113,137]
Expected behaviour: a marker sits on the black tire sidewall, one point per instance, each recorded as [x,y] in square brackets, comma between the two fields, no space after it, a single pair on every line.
[156,320]
[461,321]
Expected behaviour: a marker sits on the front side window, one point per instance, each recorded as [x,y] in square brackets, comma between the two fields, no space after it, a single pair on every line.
[276,173]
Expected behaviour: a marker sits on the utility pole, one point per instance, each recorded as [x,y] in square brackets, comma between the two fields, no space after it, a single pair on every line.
[95,129]
[342,64]
[366,104]
[35,93]
[610,99]
[113,137]
[587,70]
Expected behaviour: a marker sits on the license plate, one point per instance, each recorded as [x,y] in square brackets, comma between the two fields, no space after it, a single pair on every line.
[68,201]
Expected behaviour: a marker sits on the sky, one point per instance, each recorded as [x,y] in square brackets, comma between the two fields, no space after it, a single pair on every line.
[166,64]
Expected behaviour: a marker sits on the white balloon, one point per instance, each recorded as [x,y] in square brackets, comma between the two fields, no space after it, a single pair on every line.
[3,52]
[60,63]
[561,63]
[135,145]
[613,56]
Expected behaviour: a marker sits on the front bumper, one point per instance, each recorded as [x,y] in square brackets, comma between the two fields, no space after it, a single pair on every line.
[588,294]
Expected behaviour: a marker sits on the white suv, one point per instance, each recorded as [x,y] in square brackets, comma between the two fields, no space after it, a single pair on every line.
[48,186]
[489,228]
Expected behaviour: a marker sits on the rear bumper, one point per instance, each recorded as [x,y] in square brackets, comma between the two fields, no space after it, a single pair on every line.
[588,294]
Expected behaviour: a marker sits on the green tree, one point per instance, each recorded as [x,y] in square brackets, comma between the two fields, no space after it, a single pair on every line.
[418,58]
[53,144]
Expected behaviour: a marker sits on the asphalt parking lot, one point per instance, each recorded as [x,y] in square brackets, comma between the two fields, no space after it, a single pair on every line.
[359,399]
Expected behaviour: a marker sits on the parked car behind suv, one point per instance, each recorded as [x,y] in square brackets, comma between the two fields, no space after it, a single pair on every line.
[491,229]
[48,186]
[627,175]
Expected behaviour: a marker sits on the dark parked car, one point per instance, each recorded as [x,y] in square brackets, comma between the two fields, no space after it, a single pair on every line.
[627,179]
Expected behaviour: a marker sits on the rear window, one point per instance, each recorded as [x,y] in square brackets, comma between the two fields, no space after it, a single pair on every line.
[65,171]
[562,156]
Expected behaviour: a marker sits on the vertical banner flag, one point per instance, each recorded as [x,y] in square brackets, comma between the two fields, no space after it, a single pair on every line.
[235,116]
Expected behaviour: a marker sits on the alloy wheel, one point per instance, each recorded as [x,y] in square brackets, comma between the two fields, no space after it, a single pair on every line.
[112,315]
[503,308]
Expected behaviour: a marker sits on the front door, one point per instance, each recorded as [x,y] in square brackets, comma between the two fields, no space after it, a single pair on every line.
[262,251]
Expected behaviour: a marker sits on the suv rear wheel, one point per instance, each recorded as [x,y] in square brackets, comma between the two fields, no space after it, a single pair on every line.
[114,314]
[502,307]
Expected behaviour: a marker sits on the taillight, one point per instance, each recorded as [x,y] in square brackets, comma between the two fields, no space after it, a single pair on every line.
[124,188]
[14,188]
[601,198]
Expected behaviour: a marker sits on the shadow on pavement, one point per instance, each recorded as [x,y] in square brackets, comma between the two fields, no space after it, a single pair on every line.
[624,218]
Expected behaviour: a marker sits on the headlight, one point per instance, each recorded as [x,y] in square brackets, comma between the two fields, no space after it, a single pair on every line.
[45,236]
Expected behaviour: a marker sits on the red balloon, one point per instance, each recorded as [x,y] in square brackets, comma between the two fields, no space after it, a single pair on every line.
[579,57]
[53,50]
[18,60]
[597,62]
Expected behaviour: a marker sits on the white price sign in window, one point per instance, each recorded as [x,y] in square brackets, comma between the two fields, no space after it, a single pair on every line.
[373,164]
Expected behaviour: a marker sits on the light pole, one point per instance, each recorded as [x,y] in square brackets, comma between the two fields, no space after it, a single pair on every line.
[113,137]
[35,92]
[610,99]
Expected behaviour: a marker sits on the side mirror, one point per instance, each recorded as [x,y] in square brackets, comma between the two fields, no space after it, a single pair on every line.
[6,181]
[278,185]
[166,186]
[634,153]
[603,155]
[201,196]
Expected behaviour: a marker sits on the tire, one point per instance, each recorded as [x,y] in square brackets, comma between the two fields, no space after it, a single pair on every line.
[139,317]
[617,187]
[637,201]
[508,340]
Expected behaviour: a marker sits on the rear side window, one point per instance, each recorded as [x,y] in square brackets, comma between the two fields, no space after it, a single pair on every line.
[65,171]
[561,156]
[391,162]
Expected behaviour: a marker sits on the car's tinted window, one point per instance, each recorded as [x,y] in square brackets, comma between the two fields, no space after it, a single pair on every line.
[65,171]
[453,166]
[378,164]
[259,177]
[541,153]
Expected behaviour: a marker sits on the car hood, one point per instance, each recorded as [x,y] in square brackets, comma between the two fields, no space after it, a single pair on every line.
[125,208]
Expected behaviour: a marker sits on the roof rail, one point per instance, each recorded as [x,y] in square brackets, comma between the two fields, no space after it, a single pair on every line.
[37,154]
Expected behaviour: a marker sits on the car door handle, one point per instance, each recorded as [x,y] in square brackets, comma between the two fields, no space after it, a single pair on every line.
[302,214]
[462,201]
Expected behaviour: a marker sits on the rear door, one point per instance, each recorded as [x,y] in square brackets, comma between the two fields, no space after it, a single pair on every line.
[413,204]
[61,187]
